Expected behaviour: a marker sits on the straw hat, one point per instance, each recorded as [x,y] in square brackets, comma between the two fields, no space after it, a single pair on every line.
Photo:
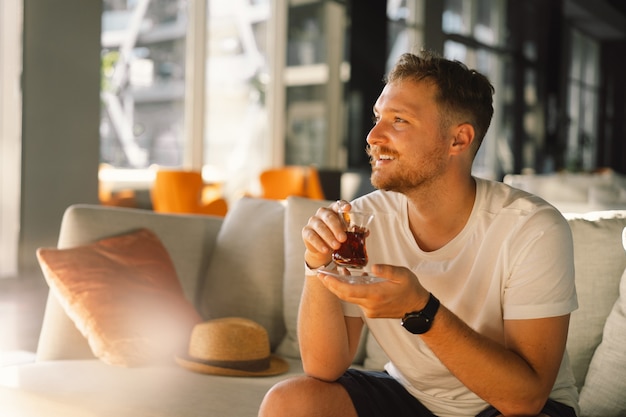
[231,346]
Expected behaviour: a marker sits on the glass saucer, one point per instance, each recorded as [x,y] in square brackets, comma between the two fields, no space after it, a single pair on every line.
[353,276]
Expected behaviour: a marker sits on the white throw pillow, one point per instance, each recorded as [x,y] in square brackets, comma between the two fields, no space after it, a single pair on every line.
[604,392]
[599,260]
[296,217]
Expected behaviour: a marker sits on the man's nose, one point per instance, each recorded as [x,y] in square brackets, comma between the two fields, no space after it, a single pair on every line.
[376,134]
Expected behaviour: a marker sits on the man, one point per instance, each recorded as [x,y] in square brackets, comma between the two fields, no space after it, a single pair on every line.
[479,278]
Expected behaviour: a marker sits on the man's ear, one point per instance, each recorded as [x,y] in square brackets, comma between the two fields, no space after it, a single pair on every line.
[463,138]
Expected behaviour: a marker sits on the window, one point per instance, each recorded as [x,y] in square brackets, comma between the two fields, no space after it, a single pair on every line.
[236,123]
[143,83]
[582,98]
[184,91]
[474,36]
[406,27]
[477,19]
[314,75]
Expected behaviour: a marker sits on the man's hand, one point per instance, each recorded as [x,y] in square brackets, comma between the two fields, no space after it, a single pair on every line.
[400,293]
[323,234]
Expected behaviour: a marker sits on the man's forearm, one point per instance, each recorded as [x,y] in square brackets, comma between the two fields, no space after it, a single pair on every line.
[517,378]
[322,332]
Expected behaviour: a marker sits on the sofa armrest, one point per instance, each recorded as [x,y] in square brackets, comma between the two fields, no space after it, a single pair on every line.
[189,239]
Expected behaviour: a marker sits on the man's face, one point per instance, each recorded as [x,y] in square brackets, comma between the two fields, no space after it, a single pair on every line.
[406,145]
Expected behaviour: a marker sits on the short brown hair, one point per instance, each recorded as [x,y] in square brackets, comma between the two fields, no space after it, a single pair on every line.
[463,92]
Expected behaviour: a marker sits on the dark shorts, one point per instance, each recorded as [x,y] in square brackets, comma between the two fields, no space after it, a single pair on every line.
[376,394]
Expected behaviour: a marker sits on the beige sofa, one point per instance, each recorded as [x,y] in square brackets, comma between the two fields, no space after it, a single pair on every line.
[250,265]
[575,192]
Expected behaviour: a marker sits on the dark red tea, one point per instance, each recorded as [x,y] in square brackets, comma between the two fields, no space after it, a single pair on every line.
[352,252]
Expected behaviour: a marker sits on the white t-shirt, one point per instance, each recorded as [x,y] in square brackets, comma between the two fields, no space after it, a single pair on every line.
[512,260]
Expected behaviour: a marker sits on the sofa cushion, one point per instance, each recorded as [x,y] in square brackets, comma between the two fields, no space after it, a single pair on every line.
[245,272]
[605,385]
[375,357]
[599,261]
[124,296]
[89,388]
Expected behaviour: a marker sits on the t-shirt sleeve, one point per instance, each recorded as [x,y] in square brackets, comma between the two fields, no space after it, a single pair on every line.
[541,282]
[350,309]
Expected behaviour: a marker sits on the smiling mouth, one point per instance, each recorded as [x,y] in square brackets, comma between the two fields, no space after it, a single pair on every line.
[381,159]
[380,155]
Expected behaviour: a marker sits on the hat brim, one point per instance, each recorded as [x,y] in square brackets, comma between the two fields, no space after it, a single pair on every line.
[277,366]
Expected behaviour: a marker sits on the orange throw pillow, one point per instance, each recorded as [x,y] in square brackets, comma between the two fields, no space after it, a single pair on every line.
[124,296]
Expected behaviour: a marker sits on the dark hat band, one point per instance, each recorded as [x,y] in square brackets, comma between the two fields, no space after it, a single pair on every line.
[254,365]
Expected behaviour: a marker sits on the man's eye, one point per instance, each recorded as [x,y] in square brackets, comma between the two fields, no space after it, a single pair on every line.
[375,119]
[399,120]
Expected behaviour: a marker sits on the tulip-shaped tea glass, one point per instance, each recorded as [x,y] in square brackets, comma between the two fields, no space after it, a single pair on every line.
[351,257]
[353,252]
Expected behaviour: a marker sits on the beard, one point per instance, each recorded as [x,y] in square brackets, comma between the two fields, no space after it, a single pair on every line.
[406,175]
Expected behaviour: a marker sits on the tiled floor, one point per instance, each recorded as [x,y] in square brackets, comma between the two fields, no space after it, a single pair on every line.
[22,302]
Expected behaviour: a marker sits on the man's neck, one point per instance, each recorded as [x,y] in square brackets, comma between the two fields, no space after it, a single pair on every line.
[437,214]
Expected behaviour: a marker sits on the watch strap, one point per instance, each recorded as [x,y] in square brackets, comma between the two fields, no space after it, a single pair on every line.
[431,308]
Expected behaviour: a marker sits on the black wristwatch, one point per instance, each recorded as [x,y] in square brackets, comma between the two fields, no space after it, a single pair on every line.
[419,322]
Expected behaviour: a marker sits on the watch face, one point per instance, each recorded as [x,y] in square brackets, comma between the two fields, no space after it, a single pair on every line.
[417,324]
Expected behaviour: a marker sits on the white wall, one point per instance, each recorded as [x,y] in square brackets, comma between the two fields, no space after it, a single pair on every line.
[10,129]
[60,137]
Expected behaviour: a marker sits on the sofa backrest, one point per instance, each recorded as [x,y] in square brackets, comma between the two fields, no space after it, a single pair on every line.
[189,239]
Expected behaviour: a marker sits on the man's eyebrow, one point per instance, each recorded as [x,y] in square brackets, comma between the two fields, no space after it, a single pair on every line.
[400,110]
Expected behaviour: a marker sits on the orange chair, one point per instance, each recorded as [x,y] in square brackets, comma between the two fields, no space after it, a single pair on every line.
[176,191]
[280,183]
[109,197]
[123,198]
